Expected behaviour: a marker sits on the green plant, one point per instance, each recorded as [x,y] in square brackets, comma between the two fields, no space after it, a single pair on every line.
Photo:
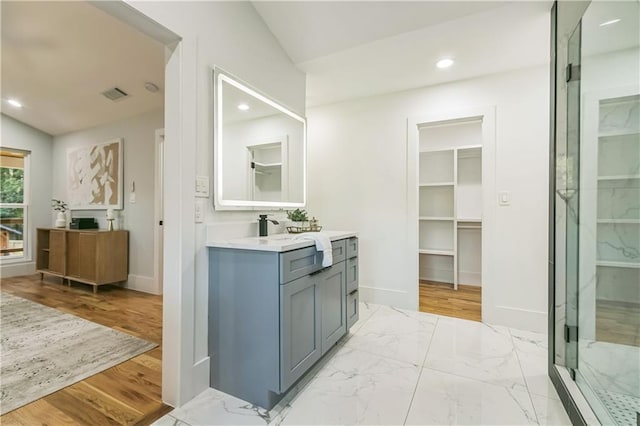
[59,205]
[297,215]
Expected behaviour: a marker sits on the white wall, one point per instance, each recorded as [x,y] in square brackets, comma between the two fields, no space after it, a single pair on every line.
[21,136]
[357,158]
[138,134]
[232,36]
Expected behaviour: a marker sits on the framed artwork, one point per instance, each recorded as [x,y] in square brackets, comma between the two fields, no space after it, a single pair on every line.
[94,176]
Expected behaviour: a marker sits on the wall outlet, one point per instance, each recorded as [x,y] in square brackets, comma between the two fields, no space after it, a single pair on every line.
[199,211]
[202,186]
[504,198]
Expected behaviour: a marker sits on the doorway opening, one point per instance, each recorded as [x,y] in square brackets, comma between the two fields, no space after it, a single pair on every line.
[451,175]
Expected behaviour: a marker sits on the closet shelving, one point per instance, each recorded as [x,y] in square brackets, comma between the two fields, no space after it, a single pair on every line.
[612,168]
[450,203]
[266,180]
[609,201]
[618,182]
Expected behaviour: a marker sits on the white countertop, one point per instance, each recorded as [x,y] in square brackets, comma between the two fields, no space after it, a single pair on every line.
[276,242]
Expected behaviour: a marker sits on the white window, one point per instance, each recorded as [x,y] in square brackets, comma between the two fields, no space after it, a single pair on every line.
[14,205]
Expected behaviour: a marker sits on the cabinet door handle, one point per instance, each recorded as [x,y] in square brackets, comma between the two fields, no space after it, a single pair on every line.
[320,270]
[353,292]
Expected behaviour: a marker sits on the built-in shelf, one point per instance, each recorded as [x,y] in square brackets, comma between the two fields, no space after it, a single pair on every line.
[619,177]
[610,225]
[267,165]
[436,184]
[437,252]
[612,264]
[439,218]
[450,202]
[622,221]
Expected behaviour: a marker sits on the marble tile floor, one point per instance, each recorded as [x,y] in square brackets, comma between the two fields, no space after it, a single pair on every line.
[398,367]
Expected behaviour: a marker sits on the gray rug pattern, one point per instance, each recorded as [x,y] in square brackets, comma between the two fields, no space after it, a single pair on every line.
[44,350]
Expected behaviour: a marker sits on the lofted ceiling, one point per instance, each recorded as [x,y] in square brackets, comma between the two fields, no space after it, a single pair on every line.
[309,30]
[356,49]
[58,57]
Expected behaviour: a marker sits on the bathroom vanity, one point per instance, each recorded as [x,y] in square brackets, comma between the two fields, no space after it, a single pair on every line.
[274,311]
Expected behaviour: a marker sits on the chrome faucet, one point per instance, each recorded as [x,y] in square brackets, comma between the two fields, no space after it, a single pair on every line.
[263,224]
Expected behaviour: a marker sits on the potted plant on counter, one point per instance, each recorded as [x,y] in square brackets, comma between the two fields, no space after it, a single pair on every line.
[61,207]
[298,220]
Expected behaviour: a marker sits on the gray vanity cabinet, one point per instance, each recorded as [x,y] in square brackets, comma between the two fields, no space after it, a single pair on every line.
[300,328]
[272,315]
[332,293]
[353,308]
[352,271]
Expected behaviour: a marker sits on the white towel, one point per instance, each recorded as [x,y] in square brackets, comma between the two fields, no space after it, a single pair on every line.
[323,244]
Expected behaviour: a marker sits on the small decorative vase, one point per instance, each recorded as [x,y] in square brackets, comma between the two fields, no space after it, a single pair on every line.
[61,220]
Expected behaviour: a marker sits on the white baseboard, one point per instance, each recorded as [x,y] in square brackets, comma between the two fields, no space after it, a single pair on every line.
[385,296]
[201,375]
[17,269]
[143,284]
[436,275]
[200,372]
[522,319]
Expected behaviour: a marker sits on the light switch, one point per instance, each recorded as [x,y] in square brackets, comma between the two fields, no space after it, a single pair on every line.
[132,198]
[202,186]
[504,198]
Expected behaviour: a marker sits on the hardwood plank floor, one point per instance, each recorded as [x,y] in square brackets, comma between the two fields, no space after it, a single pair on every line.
[618,322]
[442,299]
[129,393]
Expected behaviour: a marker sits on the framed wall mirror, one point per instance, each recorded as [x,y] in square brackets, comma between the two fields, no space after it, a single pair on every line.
[260,149]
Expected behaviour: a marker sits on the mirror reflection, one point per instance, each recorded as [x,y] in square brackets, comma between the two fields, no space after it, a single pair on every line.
[260,149]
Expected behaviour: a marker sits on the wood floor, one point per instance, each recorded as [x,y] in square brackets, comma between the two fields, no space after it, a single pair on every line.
[442,299]
[127,394]
[618,322]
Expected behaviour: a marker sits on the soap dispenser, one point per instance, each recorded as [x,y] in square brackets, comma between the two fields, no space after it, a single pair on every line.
[263,224]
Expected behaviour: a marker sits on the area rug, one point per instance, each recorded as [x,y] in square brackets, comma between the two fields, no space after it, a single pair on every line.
[45,350]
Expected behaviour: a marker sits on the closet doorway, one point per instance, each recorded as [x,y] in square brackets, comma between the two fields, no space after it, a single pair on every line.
[450,181]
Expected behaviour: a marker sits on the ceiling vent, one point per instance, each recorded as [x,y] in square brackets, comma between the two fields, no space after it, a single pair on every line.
[115,94]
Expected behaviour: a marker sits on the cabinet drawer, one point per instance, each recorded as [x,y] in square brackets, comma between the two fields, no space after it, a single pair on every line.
[352,247]
[353,308]
[339,251]
[298,263]
[352,274]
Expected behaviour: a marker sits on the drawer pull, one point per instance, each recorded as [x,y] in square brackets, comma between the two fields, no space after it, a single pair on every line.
[321,270]
[353,292]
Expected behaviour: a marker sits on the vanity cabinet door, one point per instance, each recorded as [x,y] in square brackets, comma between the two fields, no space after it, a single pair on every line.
[300,344]
[333,294]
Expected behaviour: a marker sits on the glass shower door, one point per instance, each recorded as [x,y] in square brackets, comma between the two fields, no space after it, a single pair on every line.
[608,251]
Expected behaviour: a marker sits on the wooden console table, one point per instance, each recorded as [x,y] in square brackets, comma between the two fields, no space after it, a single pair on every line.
[89,256]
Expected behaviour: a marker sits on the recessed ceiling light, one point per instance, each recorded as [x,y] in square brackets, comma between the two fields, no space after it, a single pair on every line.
[444,63]
[14,103]
[613,21]
[243,107]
